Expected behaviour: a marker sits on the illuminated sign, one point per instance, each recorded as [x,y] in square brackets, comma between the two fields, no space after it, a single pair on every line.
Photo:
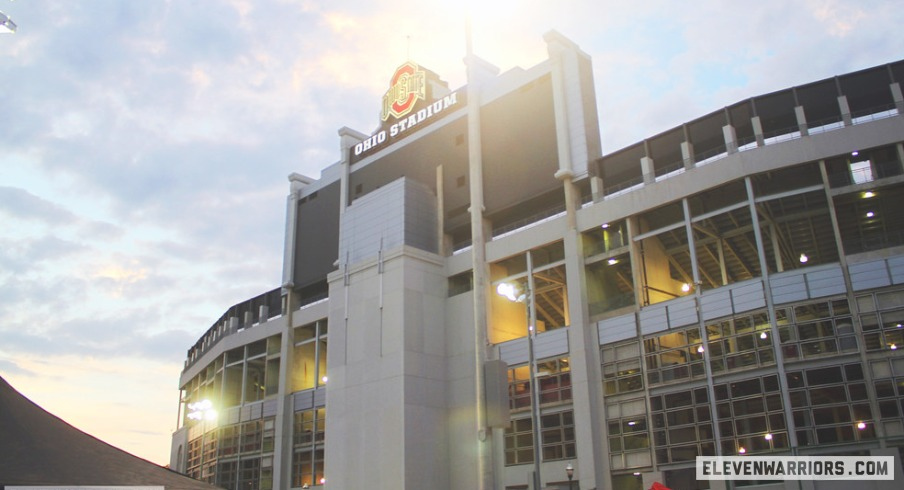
[407,86]
[407,123]
[414,98]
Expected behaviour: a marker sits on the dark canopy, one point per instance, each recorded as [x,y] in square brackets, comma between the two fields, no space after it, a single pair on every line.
[38,448]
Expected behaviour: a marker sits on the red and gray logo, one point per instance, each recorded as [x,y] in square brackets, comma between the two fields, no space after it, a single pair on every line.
[408,84]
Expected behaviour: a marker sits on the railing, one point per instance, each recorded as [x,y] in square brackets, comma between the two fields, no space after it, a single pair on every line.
[530,221]
[622,187]
[669,170]
[710,156]
[874,114]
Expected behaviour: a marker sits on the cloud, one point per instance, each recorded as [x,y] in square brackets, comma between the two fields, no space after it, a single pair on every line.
[21,204]
[12,368]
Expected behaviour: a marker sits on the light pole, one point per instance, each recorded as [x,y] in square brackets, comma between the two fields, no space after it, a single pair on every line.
[514,293]
[569,470]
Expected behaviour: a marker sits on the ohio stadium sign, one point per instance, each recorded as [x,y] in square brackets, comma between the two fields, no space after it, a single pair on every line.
[407,104]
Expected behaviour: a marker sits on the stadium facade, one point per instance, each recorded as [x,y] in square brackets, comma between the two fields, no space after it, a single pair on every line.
[734,285]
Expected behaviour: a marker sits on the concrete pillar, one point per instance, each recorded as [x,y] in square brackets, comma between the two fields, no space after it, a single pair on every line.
[649,172]
[687,154]
[896,95]
[584,352]
[596,187]
[441,214]
[801,120]
[845,110]
[900,148]
[731,138]
[758,130]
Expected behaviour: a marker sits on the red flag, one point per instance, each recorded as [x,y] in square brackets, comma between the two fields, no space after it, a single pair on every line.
[659,486]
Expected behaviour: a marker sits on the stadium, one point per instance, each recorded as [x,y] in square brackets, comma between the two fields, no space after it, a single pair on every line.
[474,296]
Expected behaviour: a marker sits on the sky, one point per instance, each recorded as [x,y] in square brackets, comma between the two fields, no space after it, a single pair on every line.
[145,148]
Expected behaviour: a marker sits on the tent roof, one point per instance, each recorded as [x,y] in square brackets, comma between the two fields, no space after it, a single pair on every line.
[38,448]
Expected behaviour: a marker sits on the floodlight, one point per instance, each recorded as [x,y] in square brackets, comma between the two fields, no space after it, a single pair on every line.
[7,26]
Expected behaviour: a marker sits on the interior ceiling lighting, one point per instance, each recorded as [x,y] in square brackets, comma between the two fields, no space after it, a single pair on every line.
[870,214]
[868,194]
[613,261]
[685,287]
[804,258]
[6,24]
[855,153]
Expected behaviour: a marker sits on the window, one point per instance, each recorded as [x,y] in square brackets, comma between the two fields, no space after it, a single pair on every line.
[621,368]
[309,430]
[740,343]
[674,356]
[553,379]
[882,321]
[682,426]
[629,435]
[664,272]
[548,299]
[871,220]
[816,330]
[751,416]
[557,440]
[309,362]
[830,405]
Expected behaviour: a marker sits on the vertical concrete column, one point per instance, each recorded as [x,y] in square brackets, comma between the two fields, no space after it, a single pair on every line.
[648,170]
[477,70]
[296,183]
[687,154]
[731,138]
[596,187]
[584,353]
[845,110]
[440,214]
[801,120]
[897,96]
[900,148]
[282,467]
[560,55]
[758,130]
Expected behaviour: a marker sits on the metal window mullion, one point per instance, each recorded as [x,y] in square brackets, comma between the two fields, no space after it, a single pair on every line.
[770,307]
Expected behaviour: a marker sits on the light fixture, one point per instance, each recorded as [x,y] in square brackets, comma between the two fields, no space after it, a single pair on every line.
[764,336]
[632,423]
[804,258]
[741,450]
[510,291]
[768,437]
[201,410]
[613,261]
[855,153]
[685,287]
[869,194]
[605,225]
[861,425]
[870,214]
[323,379]
[7,26]
[700,349]
[893,347]
[569,472]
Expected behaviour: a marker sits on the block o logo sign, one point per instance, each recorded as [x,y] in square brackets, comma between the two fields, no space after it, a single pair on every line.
[407,86]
